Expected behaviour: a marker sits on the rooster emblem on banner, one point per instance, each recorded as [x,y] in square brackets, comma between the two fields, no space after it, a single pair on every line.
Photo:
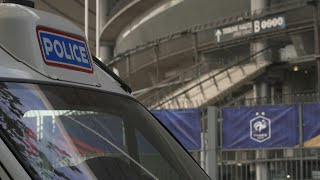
[260,128]
[260,125]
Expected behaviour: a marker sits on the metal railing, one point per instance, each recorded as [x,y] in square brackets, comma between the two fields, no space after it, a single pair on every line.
[196,73]
[300,162]
[291,163]
[145,57]
[292,98]
[184,76]
[225,21]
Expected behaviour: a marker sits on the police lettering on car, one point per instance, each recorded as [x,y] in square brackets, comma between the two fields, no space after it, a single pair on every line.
[63,50]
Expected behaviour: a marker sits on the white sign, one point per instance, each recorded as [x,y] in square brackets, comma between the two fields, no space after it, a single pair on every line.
[248,28]
[268,24]
[218,34]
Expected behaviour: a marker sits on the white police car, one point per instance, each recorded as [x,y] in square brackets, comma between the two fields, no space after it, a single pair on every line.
[64,115]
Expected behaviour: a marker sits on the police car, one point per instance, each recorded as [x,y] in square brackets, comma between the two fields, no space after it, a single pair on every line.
[65,115]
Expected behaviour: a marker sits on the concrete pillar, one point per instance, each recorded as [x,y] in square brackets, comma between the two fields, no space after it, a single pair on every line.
[106,51]
[212,168]
[255,91]
[273,95]
[105,48]
[264,92]
[261,93]
[103,11]
[262,168]
[256,7]
[260,89]
[256,47]
[316,40]
[202,153]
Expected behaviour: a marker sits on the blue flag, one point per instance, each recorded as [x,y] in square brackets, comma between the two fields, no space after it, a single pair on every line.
[183,124]
[260,127]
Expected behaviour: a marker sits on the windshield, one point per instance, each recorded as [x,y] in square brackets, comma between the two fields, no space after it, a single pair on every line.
[73,133]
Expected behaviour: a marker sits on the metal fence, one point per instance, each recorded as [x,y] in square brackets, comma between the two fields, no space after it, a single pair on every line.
[274,164]
[299,162]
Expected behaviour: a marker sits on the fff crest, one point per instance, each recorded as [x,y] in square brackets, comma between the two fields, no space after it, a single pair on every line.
[260,128]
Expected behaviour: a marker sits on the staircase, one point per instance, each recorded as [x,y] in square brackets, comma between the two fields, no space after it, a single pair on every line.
[211,86]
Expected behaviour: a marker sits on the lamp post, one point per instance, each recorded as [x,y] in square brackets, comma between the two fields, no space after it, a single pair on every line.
[86,18]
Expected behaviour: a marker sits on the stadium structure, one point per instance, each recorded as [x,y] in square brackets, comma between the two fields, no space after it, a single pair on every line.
[230,60]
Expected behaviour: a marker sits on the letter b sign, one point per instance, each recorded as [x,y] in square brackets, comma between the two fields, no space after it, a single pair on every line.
[257,26]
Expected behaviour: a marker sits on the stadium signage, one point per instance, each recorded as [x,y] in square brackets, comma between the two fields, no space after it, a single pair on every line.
[260,128]
[250,28]
[267,24]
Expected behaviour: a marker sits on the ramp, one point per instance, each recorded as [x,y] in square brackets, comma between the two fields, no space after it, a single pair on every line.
[212,86]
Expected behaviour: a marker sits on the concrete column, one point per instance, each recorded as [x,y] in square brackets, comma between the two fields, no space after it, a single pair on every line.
[106,51]
[256,7]
[212,142]
[272,95]
[256,47]
[103,12]
[105,48]
[260,89]
[255,91]
[261,92]
[262,168]
[264,92]
[316,41]
[202,153]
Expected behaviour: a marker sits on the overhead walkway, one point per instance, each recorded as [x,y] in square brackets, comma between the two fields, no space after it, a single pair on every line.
[209,87]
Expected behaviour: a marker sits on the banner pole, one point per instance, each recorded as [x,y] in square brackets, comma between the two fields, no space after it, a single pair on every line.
[300,125]
[212,115]
[300,111]
[203,141]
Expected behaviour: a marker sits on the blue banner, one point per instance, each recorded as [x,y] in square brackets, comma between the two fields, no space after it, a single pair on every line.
[311,125]
[260,127]
[183,124]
